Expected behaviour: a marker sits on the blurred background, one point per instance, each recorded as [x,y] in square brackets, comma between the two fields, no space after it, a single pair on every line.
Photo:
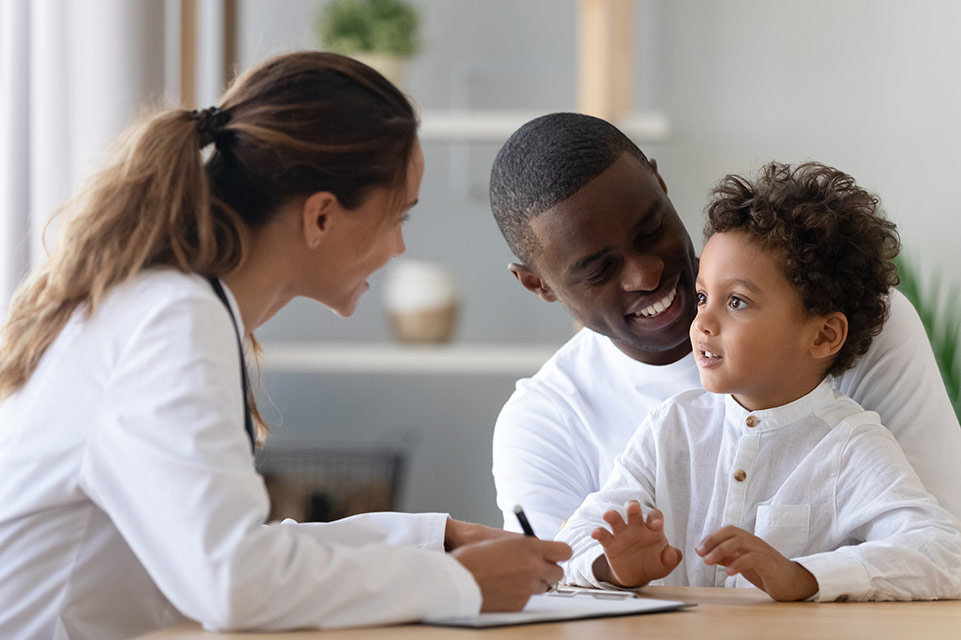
[707,87]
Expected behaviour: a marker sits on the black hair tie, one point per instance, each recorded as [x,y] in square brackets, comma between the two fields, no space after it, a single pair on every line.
[210,124]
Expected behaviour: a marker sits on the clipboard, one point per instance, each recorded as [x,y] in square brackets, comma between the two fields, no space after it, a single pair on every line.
[565,603]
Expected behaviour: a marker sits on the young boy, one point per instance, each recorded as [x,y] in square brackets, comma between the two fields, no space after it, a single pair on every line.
[781,482]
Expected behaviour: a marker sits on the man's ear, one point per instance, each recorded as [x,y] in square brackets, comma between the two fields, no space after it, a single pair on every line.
[831,332]
[532,282]
[316,215]
[660,180]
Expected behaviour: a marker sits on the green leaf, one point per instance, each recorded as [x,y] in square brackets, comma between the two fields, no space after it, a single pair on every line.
[390,27]
[941,315]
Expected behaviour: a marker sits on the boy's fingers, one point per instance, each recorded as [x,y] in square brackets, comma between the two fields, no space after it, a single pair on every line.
[725,552]
[655,520]
[602,535]
[671,556]
[613,518]
[634,516]
[745,562]
[712,540]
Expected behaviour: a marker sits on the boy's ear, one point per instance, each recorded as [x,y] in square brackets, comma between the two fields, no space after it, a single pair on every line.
[832,331]
[317,213]
[532,282]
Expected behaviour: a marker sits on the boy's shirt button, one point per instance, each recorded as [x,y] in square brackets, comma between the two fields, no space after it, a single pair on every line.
[752,421]
[739,475]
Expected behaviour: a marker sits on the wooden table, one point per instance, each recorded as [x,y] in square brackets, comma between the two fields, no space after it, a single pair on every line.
[720,614]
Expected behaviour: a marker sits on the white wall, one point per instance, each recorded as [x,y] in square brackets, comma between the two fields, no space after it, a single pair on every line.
[869,86]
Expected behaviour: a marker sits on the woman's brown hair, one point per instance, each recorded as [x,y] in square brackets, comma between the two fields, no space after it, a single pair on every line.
[297,124]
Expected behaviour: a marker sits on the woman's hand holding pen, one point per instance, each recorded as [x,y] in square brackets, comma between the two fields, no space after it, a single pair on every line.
[511,568]
[458,533]
[636,551]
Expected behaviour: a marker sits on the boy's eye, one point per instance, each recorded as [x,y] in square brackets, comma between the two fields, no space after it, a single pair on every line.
[736,303]
[701,298]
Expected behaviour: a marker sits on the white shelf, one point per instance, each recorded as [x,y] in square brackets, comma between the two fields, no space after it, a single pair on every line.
[497,126]
[388,358]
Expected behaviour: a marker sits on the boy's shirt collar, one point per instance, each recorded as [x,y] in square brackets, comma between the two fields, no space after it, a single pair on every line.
[777,417]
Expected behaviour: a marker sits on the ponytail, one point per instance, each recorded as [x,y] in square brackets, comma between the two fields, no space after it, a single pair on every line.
[150,206]
[297,124]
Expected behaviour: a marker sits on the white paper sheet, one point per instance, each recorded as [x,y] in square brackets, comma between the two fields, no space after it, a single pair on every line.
[549,607]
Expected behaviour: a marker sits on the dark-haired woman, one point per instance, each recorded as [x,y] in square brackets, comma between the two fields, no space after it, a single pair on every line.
[129,497]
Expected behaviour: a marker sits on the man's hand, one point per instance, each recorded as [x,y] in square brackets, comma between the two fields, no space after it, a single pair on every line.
[458,533]
[759,563]
[637,551]
[510,569]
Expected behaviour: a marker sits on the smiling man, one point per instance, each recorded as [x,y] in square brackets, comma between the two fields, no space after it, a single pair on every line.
[589,219]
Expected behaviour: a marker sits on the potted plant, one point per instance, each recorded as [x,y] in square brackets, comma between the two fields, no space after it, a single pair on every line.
[384,34]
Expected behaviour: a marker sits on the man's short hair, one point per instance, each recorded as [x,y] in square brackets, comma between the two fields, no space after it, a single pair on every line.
[835,246]
[545,162]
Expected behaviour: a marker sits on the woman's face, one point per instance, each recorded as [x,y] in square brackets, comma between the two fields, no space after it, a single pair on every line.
[371,235]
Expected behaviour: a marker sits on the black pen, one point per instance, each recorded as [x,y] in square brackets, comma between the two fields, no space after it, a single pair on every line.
[525,525]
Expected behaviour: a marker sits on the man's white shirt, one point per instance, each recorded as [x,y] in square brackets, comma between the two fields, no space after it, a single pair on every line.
[556,438]
[818,479]
[130,500]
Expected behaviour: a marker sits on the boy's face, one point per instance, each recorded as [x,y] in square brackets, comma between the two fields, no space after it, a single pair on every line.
[752,335]
[618,257]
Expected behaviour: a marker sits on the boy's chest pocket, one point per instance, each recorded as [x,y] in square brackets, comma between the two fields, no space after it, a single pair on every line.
[785,527]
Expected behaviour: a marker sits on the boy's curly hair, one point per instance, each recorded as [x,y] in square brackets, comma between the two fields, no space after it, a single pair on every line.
[837,248]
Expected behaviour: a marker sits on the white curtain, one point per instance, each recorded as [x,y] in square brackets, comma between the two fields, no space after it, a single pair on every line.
[73,74]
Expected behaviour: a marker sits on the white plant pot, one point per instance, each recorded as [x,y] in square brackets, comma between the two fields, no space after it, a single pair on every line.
[421,300]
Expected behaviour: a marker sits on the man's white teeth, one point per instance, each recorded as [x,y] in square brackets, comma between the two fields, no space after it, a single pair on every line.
[660,305]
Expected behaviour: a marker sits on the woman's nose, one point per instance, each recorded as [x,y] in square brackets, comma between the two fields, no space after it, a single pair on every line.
[399,246]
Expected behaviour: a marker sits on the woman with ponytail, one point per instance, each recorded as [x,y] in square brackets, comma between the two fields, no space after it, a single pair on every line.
[129,499]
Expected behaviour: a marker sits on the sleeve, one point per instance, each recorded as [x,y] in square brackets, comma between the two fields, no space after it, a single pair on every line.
[169,462]
[911,547]
[420,530]
[899,379]
[632,478]
[536,463]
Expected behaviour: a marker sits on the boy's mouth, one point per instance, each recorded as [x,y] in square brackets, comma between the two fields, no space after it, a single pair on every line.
[707,358]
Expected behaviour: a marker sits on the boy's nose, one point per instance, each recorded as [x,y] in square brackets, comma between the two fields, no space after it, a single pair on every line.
[704,323]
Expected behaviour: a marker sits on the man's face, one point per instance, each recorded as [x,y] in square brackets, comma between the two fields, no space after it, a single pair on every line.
[618,257]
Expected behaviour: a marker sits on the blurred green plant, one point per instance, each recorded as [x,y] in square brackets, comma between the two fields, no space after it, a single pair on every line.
[940,311]
[385,27]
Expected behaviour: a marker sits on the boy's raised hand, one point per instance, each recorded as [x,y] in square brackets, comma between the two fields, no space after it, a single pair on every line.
[759,563]
[635,552]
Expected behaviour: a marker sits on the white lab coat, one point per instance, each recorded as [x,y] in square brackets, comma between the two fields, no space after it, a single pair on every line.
[129,497]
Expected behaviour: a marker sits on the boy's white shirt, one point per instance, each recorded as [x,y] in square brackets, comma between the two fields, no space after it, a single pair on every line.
[556,439]
[818,479]
[130,500]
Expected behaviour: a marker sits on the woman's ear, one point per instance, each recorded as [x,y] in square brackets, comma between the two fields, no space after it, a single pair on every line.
[532,282]
[830,333]
[317,215]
